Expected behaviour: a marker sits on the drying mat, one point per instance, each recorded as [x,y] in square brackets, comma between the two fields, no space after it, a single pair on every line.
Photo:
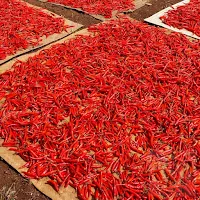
[16,161]
[138,4]
[46,40]
[155,19]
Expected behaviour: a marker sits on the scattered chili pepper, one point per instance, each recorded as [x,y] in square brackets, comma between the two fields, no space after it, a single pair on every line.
[185,17]
[98,7]
[114,114]
[23,26]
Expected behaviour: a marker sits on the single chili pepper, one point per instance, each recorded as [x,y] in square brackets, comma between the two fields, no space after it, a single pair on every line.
[53,184]
[30,175]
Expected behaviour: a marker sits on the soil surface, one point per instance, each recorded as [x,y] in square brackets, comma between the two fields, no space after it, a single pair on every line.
[12,185]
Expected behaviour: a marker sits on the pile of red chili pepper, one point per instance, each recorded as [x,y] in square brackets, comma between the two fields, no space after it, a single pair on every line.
[98,7]
[185,17]
[115,114]
[23,26]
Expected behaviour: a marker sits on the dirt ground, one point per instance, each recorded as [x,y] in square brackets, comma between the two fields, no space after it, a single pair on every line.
[12,185]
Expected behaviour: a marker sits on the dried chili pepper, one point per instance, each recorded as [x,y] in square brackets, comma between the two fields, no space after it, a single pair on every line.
[114,114]
[23,26]
[98,7]
[185,17]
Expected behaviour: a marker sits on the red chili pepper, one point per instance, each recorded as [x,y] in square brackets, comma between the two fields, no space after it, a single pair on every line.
[110,134]
[184,17]
[30,175]
[23,26]
[53,184]
[98,7]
